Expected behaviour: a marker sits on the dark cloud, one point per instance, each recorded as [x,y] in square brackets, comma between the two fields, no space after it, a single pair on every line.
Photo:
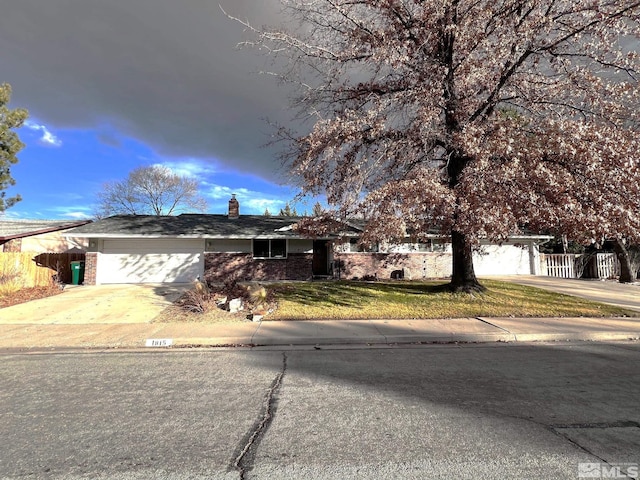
[162,71]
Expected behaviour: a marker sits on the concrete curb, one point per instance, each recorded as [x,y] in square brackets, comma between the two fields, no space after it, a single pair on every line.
[584,337]
[404,340]
[311,333]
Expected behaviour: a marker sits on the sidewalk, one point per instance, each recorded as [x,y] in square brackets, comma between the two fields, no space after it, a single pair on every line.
[356,332]
[118,316]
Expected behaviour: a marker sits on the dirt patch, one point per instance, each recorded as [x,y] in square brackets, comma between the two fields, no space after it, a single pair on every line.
[209,304]
[27,294]
[175,313]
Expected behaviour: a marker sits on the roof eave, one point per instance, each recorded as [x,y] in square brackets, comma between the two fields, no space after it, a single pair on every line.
[46,230]
[194,237]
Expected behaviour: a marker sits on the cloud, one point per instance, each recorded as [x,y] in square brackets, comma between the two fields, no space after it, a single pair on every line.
[259,205]
[165,73]
[79,212]
[251,202]
[189,168]
[77,215]
[11,214]
[218,192]
[66,196]
[47,138]
[72,212]
[110,139]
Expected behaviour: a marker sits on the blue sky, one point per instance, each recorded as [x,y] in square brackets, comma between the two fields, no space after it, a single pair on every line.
[60,172]
[112,85]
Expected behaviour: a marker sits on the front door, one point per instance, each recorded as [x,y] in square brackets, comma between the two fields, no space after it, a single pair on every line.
[321,257]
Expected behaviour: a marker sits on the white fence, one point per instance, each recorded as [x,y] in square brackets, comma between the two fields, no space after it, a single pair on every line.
[602,265]
[607,265]
[558,265]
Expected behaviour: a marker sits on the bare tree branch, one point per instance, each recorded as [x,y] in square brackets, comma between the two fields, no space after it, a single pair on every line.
[153,190]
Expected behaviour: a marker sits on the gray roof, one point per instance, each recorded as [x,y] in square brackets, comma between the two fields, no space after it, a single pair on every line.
[26,228]
[189,226]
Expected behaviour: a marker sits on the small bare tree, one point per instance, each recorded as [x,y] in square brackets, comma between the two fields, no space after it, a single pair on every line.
[154,190]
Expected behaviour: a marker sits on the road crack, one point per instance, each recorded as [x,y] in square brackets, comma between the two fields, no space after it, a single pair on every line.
[246,453]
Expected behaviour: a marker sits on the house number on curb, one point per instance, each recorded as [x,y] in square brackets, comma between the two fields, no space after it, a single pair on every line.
[159,342]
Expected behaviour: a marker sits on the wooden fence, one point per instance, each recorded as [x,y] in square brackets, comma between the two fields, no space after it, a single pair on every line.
[601,265]
[38,269]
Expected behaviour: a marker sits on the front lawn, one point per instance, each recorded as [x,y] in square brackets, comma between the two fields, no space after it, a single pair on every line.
[406,300]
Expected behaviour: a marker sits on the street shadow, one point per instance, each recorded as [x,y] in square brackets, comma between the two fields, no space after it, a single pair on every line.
[554,386]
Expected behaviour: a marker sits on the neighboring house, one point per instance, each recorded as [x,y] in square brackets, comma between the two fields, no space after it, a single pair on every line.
[42,236]
[183,248]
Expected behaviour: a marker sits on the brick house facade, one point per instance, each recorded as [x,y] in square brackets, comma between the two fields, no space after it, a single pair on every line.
[219,267]
[384,266]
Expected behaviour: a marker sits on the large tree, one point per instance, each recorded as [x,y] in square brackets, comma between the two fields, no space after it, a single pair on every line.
[10,144]
[153,190]
[477,117]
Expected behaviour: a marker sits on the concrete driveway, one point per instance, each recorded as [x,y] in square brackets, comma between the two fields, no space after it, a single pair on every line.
[106,304]
[611,292]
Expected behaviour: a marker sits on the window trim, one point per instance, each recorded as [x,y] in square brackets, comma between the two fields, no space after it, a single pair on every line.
[270,257]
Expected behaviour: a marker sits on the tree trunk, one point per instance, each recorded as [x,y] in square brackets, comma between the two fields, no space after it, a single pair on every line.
[463,278]
[627,275]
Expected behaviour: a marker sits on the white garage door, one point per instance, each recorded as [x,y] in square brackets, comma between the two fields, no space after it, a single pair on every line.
[150,261]
[502,259]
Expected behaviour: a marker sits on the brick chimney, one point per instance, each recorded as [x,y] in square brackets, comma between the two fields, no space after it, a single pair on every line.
[234,207]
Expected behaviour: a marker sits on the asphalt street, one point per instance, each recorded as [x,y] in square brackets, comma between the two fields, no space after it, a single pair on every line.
[437,411]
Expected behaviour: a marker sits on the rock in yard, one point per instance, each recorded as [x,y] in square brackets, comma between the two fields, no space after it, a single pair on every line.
[221,301]
[235,305]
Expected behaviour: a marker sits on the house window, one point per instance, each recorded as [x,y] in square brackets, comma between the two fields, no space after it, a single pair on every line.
[430,246]
[438,246]
[270,248]
[425,246]
[355,246]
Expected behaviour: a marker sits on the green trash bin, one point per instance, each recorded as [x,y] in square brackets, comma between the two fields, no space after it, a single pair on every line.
[77,272]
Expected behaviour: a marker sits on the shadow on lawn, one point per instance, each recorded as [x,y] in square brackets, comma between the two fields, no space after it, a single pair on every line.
[430,299]
[353,294]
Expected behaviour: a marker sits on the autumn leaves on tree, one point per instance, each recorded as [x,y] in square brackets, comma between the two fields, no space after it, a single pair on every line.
[481,118]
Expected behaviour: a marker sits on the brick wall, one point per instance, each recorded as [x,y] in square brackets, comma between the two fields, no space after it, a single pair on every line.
[384,266]
[90,268]
[219,267]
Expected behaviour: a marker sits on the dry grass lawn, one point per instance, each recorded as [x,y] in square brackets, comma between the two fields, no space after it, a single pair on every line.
[345,300]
